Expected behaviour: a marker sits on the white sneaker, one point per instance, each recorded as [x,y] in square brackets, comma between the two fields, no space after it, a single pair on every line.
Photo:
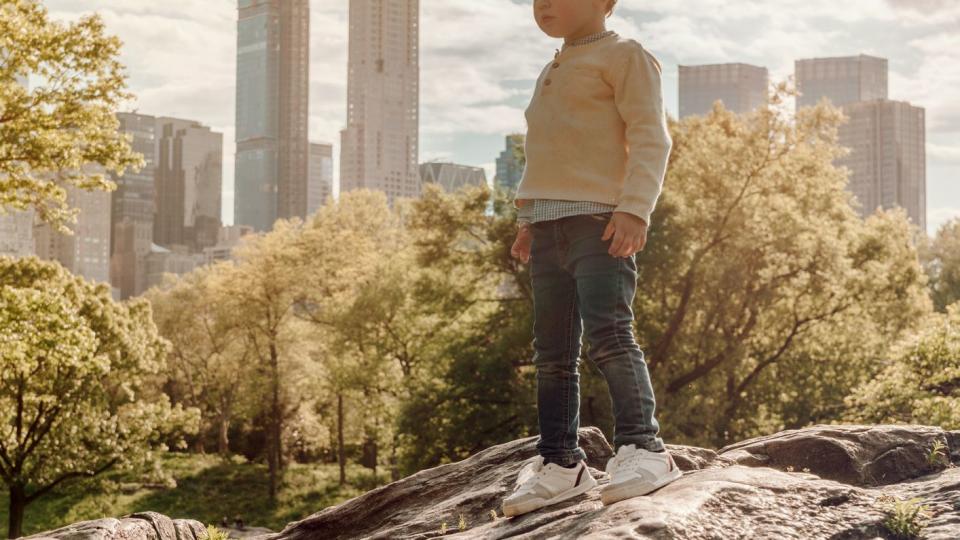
[637,471]
[540,485]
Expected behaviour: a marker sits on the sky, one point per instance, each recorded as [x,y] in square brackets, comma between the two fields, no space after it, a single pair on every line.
[480,59]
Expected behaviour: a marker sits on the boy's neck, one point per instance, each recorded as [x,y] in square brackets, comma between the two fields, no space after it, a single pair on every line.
[583,32]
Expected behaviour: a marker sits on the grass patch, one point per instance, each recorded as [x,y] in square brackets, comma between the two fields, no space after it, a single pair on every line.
[905,519]
[207,488]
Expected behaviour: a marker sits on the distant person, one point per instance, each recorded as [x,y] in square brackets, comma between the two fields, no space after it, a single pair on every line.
[584,204]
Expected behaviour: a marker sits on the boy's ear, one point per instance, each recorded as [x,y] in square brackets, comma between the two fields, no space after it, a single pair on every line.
[610,5]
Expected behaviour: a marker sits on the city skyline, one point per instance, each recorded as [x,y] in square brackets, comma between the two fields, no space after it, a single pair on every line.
[487,74]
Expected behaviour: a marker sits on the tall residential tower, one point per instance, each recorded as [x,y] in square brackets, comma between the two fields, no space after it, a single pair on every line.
[379,146]
[887,138]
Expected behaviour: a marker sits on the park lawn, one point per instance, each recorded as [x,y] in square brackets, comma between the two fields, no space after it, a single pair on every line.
[207,490]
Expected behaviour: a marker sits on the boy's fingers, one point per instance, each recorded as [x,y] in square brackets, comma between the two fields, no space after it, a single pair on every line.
[617,246]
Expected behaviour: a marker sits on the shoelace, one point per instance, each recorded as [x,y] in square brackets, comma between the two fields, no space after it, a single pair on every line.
[529,475]
[614,462]
[628,459]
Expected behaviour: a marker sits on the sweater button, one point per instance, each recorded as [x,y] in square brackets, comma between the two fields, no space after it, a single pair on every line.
[556,64]
[546,81]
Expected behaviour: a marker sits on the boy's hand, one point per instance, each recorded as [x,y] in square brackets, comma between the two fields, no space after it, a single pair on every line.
[629,234]
[521,246]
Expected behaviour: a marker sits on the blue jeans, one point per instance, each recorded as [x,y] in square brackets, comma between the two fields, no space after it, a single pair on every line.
[578,286]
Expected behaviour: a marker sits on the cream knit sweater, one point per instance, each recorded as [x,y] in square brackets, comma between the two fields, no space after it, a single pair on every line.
[596,128]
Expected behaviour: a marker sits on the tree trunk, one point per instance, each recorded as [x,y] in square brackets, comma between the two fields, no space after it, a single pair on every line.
[275,422]
[340,456]
[272,465]
[394,468]
[18,501]
[223,442]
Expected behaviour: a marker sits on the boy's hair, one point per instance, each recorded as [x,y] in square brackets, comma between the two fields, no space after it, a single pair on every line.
[610,5]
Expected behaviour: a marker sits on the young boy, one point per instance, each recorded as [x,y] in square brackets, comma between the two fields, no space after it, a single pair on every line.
[596,153]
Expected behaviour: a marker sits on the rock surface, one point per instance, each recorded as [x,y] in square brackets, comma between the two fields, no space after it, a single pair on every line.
[140,525]
[824,481]
[754,489]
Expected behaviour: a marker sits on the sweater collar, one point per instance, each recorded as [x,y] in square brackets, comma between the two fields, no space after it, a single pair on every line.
[584,43]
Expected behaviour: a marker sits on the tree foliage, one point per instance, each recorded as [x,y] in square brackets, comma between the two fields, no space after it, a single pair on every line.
[51,133]
[920,379]
[941,260]
[75,368]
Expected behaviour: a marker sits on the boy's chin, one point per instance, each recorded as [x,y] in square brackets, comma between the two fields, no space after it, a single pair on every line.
[552,32]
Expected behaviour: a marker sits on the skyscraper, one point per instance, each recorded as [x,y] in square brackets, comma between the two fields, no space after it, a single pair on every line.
[887,140]
[132,207]
[741,87]
[842,79]
[320,183]
[173,200]
[273,44]
[509,166]
[86,252]
[887,161]
[189,179]
[379,146]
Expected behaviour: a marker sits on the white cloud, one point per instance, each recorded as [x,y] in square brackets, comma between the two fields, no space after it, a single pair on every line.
[945,153]
[939,216]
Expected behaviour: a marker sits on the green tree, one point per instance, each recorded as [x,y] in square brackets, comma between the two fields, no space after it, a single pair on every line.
[477,389]
[761,274]
[941,259]
[74,372]
[209,364]
[920,379]
[261,292]
[51,133]
[358,285]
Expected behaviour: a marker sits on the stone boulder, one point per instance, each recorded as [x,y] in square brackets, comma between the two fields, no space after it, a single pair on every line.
[755,489]
[140,525]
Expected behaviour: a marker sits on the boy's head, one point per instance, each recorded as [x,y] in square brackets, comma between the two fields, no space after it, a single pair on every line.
[560,18]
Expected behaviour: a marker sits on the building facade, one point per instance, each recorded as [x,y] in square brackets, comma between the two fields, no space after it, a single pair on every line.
[452,176]
[741,87]
[887,160]
[841,79]
[379,147]
[320,177]
[189,180]
[85,252]
[273,59]
[886,138]
[509,165]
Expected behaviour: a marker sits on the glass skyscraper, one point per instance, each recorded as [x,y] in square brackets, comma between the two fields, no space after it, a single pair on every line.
[272,107]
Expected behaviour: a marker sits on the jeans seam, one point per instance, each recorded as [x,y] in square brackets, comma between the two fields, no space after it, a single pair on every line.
[616,333]
[567,383]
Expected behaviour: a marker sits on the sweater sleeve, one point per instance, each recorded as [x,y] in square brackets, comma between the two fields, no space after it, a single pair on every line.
[639,99]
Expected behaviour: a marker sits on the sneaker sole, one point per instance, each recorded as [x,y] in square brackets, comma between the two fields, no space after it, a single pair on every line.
[510,510]
[629,489]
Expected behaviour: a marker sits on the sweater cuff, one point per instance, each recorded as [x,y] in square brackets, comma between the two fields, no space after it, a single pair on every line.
[639,209]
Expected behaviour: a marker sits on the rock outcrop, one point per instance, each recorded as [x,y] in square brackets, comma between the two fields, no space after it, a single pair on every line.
[824,481]
[140,525]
